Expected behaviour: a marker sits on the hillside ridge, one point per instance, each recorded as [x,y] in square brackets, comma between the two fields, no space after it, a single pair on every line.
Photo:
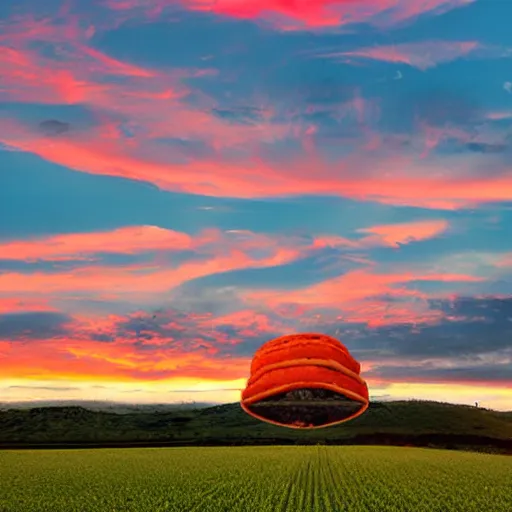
[418,423]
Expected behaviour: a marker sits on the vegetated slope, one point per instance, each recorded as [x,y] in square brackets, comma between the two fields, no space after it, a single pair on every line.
[413,422]
[255,478]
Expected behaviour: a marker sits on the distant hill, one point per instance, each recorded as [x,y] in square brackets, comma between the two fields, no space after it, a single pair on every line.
[102,405]
[415,423]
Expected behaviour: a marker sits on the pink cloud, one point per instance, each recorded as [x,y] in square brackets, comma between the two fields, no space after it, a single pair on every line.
[499,115]
[18,304]
[422,55]
[293,14]
[355,293]
[73,246]
[220,252]
[148,97]
[137,239]
[424,185]
[222,179]
[392,235]
[395,235]
[505,261]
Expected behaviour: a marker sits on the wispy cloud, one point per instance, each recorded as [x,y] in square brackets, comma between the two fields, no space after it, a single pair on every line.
[421,55]
[76,246]
[397,234]
[423,185]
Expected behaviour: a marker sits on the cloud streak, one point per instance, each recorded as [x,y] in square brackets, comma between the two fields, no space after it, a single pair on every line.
[424,187]
[421,55]
[395,235]
[127,240]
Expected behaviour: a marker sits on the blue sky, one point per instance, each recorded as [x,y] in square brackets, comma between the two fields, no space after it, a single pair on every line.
[181,183]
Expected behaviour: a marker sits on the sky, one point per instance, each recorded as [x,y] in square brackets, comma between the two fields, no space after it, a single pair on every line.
[182,181]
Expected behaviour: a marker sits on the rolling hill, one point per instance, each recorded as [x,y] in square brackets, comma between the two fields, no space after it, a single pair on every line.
[415,423]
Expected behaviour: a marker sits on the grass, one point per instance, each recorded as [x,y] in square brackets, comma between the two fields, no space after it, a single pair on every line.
[254,479]
[401,423]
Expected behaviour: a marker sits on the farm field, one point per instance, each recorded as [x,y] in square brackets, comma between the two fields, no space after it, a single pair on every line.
[253,479]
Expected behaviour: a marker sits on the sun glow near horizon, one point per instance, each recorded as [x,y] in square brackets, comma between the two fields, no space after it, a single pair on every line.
[219,392]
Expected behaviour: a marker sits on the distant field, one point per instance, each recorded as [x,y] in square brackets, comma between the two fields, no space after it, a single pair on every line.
[254,479]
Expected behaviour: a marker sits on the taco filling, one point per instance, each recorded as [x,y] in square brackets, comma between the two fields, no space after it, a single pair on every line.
[306,407]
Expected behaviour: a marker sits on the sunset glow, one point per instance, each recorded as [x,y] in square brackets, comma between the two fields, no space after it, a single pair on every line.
[181,181]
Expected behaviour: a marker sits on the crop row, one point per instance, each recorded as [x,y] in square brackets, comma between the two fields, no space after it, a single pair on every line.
[255,479]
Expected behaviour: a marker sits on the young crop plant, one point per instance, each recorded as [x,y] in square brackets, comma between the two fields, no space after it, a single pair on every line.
[249,479]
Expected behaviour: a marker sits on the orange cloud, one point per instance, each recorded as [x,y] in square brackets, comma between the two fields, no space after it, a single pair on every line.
[137,239]
[18,304]
[221,252]
[137,280]
[83,360]
[355,295]
[395,235]
[248,323]
[392,235]
[73,246]
[74,356]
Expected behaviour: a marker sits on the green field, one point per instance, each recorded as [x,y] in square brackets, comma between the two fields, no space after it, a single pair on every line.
[253,479]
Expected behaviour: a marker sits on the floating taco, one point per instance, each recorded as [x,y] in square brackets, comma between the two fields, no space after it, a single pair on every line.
[304,381]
